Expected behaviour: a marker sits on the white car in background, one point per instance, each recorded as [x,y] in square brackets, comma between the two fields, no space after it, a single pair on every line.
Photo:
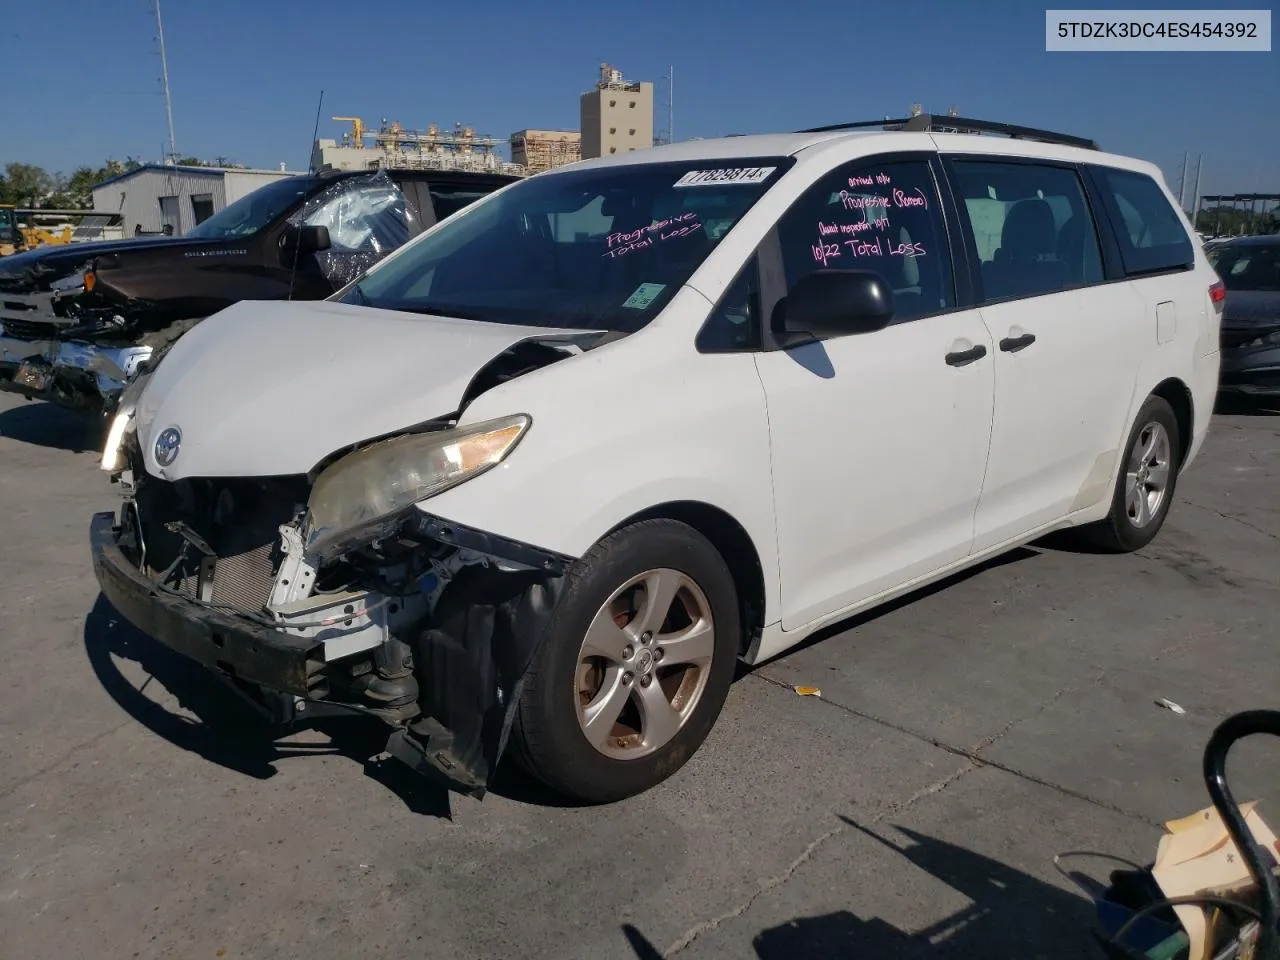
[542,477]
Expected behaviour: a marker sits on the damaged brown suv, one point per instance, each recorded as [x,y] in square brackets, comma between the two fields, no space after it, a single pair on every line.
[77,321]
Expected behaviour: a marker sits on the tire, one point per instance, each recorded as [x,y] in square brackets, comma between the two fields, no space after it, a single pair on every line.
[1133,523]
[567,683]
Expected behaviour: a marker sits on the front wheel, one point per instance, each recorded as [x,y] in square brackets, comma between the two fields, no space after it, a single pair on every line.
[636,665]
[1144,488]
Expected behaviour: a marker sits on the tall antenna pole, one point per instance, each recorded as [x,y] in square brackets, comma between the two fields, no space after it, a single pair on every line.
[164,68]
[1195,210]
[671,86]
[1182,184]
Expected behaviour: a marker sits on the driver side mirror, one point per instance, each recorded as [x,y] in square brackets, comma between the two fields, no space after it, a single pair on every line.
[304,239]
[833,303]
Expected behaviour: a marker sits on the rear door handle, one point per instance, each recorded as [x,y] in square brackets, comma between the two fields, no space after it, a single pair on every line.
[1014,344]
[962,358]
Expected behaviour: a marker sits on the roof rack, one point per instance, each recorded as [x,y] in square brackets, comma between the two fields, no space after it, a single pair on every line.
[925,122]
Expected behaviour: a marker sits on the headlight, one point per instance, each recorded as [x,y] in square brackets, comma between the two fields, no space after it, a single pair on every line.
[122,423]
[112,449]
[370,485]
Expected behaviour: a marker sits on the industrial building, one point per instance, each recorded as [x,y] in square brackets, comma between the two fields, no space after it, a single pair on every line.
[540,150]
[616,116]
[165,198]
[397,148]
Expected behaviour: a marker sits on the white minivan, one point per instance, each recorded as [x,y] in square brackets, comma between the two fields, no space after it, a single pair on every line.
[538,481]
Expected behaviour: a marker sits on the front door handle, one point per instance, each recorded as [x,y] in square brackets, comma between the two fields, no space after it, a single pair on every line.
[961,358]
[1014,344]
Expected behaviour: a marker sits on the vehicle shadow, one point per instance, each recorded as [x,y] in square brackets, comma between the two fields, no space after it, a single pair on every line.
[1009,914]
[49,425]
[224,729]
[1016,555]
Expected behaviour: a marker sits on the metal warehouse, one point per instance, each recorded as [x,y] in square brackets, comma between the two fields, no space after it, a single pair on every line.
[154,197]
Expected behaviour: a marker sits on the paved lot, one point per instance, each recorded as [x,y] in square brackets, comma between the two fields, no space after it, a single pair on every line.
[963,738]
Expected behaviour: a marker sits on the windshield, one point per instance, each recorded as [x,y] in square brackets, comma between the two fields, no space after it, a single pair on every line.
[253,211]
[601,249]
[6,218]
[1248,266]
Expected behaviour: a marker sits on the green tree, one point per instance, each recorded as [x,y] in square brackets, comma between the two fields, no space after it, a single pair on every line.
[218,161]
[59,198]
[1226,220]
[80,186]
[26,185]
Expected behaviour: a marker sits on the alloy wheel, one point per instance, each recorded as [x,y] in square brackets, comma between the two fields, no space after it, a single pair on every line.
[1147,474]
[644,663]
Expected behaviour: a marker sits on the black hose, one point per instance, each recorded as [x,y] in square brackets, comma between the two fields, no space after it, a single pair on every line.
[1235,728]
[1193,900]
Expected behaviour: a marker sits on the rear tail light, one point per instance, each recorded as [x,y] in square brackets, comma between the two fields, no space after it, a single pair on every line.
[1218,293]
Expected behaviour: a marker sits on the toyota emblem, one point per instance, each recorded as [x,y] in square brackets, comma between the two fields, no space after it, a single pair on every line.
[167,446]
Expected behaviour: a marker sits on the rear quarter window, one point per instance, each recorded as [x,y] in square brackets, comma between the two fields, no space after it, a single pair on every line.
[1150,233]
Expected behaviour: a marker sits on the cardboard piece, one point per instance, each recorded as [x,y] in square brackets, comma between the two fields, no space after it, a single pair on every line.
[1197,855]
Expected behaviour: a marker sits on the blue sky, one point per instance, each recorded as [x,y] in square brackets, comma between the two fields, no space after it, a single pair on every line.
[83,75]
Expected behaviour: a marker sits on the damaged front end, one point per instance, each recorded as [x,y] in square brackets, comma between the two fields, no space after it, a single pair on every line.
[335,590]
[422,623]
[45,348]
[63,342]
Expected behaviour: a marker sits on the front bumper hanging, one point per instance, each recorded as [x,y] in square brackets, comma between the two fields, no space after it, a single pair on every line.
[225,642]
[471,657]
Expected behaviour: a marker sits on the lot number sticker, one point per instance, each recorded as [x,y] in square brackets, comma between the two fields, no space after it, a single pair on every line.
[710,178]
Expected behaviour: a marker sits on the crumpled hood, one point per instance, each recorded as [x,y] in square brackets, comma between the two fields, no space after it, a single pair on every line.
[272,388]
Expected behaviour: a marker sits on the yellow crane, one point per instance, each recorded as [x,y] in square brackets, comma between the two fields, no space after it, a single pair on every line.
[357,130]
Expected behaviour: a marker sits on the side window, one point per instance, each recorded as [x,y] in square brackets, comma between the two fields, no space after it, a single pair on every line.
[1031,228]
[880,217]
[370,218]
[735,322]
[449,200]
[1152,237]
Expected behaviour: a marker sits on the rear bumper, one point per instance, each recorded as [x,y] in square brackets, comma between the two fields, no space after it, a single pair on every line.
[1253,370]
[233,645]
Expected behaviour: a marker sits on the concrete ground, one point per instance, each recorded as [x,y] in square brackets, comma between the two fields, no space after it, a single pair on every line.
[963,738]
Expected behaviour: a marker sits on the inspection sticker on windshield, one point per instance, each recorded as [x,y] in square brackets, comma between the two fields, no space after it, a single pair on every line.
[645,294]
[707,178]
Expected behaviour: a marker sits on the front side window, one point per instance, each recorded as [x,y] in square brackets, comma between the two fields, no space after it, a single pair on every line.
[734,324]
[1151,234]
[880,217]
[362,216]
[600,249]
[1031,228]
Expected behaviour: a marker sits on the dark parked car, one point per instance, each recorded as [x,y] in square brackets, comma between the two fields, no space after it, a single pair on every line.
[1250,270]
[77,321]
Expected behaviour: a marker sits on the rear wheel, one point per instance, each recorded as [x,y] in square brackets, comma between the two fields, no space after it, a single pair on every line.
[636,666]
[1144,488]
